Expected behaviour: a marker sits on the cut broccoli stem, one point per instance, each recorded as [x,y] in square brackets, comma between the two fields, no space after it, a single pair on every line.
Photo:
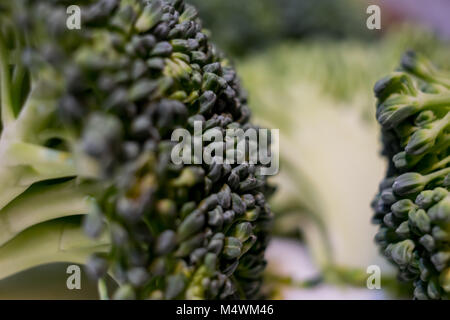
[40,204]
[61,240]
[7,110]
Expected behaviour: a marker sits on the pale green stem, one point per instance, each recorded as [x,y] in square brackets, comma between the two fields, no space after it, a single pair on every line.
[7,110]
[40,204]
[335,275]
[436,76]
[444,162]
[34,115]
[49,242]
[23,164]
[103,290]
[10,186]
[355,277]
[17,84]
[443,79]
[46,162]
[430,177]
[274,278]
[19,74]
[443,123]
[428,100]
[317,222]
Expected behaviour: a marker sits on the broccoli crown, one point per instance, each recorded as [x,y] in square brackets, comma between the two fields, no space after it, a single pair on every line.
[117,89]
[413,203]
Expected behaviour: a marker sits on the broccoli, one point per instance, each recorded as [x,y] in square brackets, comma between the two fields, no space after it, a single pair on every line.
[86,123]
[413,203]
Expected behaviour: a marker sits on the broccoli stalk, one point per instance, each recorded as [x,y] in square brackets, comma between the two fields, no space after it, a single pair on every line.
[38,182]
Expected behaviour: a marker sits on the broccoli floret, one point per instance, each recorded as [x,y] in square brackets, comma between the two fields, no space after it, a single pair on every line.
[413,203]
[87,118]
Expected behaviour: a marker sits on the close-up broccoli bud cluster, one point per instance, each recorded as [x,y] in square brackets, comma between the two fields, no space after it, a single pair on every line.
[413,203]
[93,110]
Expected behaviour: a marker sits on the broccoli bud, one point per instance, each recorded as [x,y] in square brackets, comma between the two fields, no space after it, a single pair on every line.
[413,203]
[96,113]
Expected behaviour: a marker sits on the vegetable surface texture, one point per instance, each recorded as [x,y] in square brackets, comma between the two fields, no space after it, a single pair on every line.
[87,117]
[413,204]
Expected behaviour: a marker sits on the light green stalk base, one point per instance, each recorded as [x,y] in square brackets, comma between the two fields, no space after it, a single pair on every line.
[34,224]
[60,240]
[42,204]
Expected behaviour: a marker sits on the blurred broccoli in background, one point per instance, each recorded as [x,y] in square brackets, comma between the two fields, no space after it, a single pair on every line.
[243,26]
[239,26]
[318,93]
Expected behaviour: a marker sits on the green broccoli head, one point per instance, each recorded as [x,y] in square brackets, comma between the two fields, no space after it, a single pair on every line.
[94,110]
[413,203]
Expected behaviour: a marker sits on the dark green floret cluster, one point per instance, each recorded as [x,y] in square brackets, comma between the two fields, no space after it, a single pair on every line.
[103,102]
[413,203]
